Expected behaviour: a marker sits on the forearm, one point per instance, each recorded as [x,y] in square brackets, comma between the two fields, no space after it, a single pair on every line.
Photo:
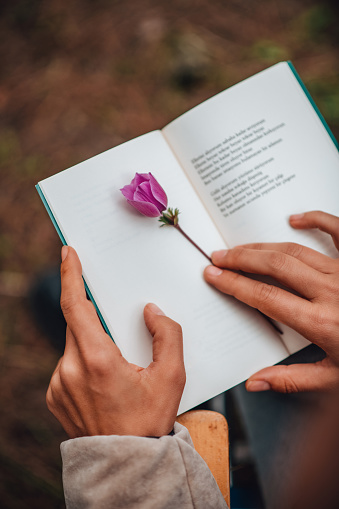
[134,472]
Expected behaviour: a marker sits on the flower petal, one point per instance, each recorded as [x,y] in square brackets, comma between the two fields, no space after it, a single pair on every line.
[139,178]
[144,193]
[128,191]
[144,176]
[157,191]
[139,193]
[145,208]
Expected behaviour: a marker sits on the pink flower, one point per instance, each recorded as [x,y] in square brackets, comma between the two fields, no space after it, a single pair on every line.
[149,198]
[146,195]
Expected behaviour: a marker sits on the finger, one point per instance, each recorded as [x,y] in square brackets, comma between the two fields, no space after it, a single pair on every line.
[275,302]
[284,268]
[322,375]
[317,219]
[79,312]
[306,255]
[74,304]
[167,341]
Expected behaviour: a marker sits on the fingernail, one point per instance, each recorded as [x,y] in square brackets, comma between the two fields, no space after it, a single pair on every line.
[154,308]
[213,271]
[64,253]
[296,217]
[219,255]
[258,386]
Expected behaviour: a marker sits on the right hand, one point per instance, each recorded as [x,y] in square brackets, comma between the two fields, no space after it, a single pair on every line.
[313,311]
[94,390]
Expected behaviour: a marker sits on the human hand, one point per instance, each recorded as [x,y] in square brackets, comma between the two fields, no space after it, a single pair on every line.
[94,390]
[313,312]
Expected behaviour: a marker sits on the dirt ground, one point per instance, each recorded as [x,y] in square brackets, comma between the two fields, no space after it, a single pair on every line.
[78,77]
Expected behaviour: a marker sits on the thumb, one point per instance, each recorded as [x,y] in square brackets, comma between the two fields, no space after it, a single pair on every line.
[80,314]
[167,339]
[322,375]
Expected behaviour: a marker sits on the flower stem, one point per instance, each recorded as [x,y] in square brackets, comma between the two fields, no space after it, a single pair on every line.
[172,219]
[191,241]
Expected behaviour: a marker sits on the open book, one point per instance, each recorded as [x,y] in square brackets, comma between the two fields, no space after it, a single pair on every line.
[236,166]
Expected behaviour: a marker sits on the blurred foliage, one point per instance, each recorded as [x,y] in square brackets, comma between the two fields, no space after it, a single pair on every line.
[32,165]
[21,14]
[317,25]
[316,22]
[38,25]
[11,156]
[6,246]
[10,151]
[188,60]
[269,52]
[326,96]
[20,488]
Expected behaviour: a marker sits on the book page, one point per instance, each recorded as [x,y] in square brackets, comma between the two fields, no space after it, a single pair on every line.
[255,154]
[128,260]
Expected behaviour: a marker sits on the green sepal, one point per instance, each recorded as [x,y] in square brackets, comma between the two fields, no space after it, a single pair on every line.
[169,218]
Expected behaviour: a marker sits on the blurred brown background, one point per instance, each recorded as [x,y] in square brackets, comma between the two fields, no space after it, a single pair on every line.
[78,77]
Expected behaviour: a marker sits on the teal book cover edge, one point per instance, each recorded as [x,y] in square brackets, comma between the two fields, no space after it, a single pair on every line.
[316,109]
[62,238]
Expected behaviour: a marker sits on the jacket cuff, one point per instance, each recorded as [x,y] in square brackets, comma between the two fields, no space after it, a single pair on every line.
[131,472]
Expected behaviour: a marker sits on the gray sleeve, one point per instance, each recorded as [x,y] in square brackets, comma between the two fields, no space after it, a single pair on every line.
[127,472]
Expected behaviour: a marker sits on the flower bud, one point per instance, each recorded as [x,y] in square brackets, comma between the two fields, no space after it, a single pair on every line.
[146,195]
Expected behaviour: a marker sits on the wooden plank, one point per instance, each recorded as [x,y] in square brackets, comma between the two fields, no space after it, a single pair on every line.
[209,433]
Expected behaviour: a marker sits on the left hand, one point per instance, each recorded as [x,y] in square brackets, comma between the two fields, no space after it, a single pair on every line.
[313,311]
[94,390]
